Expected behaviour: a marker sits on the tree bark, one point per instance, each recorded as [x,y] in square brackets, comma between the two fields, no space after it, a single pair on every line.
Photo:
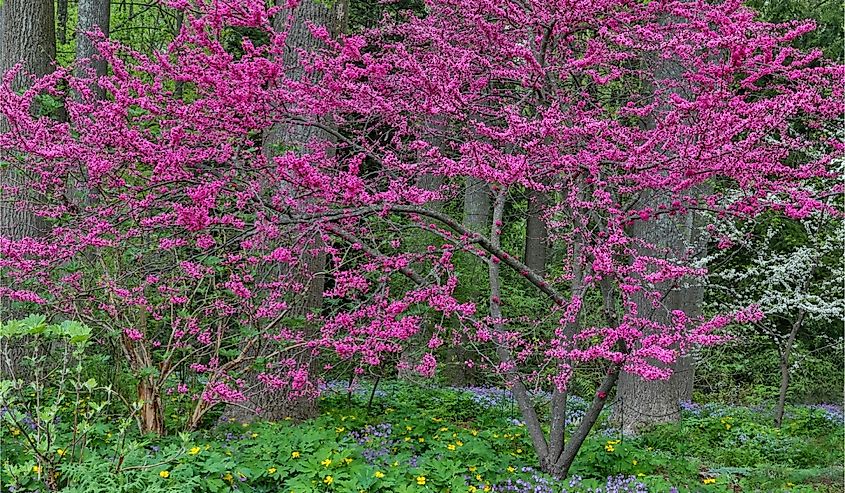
[642,402]
[536,232]
[27,36]
[93,14]
[152,407]
[277,405]
[61,32]
[476,205]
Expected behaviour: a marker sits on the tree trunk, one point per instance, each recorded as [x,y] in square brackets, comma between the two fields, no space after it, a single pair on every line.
[536,232]
[642,402]
[277,405]
[62,21]
[476,217]
[27,36]
[93,14]
[152,407]
[786,353]
[476,205]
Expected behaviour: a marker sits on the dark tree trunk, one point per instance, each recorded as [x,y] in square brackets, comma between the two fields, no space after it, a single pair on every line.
[62,21]
[27,36]
[93,14]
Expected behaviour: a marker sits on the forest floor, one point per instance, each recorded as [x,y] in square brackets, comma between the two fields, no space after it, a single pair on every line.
[414,438]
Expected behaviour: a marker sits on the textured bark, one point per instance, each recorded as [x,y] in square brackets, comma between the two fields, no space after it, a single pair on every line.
[536,232]
[27,36]
[332,15]
[93,14]
[61,16]
[643,403]
[476,205]
[152,409]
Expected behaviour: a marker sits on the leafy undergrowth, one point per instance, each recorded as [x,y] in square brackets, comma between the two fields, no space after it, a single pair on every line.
[417,439]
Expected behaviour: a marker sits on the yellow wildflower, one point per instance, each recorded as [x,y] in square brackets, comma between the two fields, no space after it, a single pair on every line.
[61,452]
[709,480]
[36,469]
[421,439]
[609,448]
[328,480]
[420,480]
[326,463]
[379,474]
[272,470]
[511,469]
[450,446]
[295,454]
[164,474]
[194,451]
[348,460]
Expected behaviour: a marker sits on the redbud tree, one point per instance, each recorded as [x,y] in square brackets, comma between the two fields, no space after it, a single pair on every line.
[186,243]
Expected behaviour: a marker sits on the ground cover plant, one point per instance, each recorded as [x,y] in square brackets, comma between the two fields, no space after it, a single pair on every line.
[413,437]
[581,206]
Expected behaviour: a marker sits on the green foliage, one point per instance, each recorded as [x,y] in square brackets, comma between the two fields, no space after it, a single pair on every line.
[827,15]
[418,439]
[746,371]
